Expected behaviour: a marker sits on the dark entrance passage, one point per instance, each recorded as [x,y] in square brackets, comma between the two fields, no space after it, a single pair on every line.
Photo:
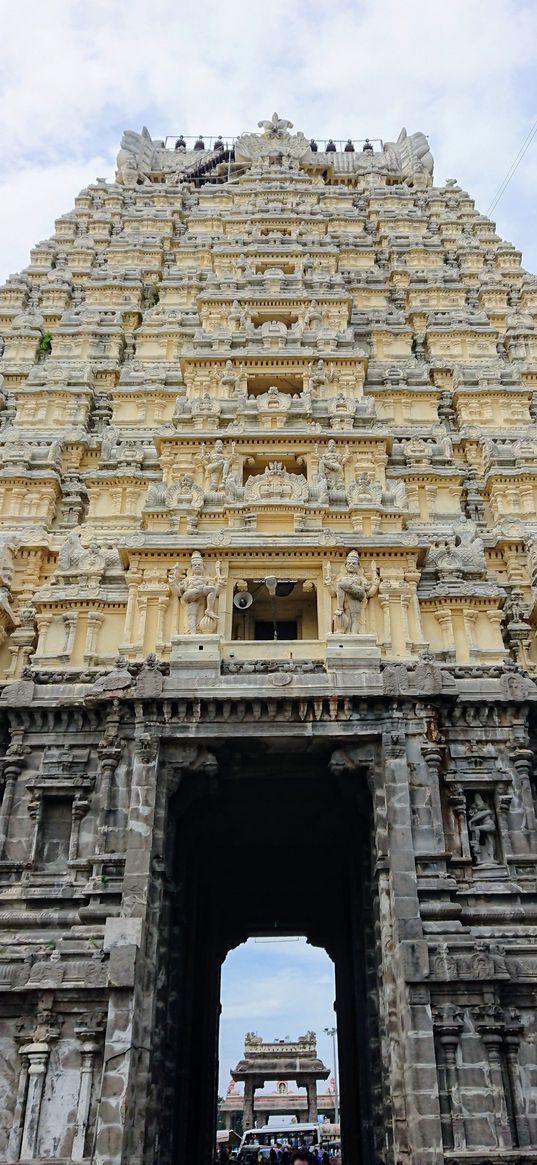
[274,844]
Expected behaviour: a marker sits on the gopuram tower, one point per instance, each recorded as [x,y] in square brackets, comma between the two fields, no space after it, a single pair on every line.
[268,555]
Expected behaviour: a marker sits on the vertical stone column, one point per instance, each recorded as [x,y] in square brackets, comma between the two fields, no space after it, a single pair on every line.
[512,1035]
[384,600]
[79,808]
[445,622]
[311,1086]
[141,621]
[131,940]
[430,823]
[15,1135]
[87,1060]
[38,1054]
[503,795]
[489,1023]
[522,758]
[43,624]
[249,1093]
[109,753]
[412,578]
[404,591]
[449,1026]
[406,1002]
[12,767]
[95,621]
[162,607]
[70,620]
[133,579]
[431,494]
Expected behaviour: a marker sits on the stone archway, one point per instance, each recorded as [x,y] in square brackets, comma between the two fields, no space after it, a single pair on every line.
[278,843]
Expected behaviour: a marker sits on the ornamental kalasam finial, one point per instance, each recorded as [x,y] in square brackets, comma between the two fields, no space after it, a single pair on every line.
[276,125]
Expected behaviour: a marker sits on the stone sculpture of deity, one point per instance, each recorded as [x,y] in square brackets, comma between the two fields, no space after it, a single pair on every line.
[198,593]
[351,591]
[331,466]
[483,831]
[217,465]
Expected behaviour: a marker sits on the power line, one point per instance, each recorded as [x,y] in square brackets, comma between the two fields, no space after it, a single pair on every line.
[514,166]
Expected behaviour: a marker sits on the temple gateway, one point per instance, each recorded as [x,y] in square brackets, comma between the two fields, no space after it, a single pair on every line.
[281,1061]
[268,558]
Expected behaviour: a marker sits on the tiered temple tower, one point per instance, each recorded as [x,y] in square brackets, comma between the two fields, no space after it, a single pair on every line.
[268,553]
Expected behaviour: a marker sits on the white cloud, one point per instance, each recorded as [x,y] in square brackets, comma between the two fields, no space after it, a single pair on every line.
[71,80]
[32,198]
[279,990]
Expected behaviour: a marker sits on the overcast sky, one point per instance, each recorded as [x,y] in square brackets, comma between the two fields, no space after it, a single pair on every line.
[278,989]
[74,74]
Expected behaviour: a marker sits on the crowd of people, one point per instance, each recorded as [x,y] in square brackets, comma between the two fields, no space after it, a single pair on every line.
[284,1155]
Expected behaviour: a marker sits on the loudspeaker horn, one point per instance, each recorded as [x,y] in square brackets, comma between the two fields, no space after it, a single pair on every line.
[242,600]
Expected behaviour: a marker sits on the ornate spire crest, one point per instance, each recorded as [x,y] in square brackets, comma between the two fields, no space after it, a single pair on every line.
[277,126]
[275,139]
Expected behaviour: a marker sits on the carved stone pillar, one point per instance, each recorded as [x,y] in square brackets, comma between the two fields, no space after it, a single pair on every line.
[79,808]
[470,626]
[38,1054]
[15,1134]
[131,1003]
[162,607]
[43,624]
[12,768]
[70,619]
[109,753]
[133,579]
[249,1093]
[457,804]
[35,811]
[445,622]
[384,600]
[412,578]
[89,1049]
[489,1023]
[412,1065]
[311,1086]
[431,494]
[432,752]
[449,1027]
[512,1035]
[503,795]
[95,621]
[522,758]
[142,617]
[495,619]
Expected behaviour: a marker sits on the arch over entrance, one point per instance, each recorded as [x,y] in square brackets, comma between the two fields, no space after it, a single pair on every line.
[275,843]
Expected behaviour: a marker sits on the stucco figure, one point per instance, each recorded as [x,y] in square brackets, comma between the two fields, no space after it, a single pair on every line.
[198,595]
[351,590]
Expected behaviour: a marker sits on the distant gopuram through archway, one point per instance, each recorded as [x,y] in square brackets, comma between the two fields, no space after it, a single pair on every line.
[280,1060]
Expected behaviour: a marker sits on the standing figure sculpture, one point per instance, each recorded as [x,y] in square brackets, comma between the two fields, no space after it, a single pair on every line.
[482,830]
[331,465]
[198,593]
[351,591]
[217,465]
